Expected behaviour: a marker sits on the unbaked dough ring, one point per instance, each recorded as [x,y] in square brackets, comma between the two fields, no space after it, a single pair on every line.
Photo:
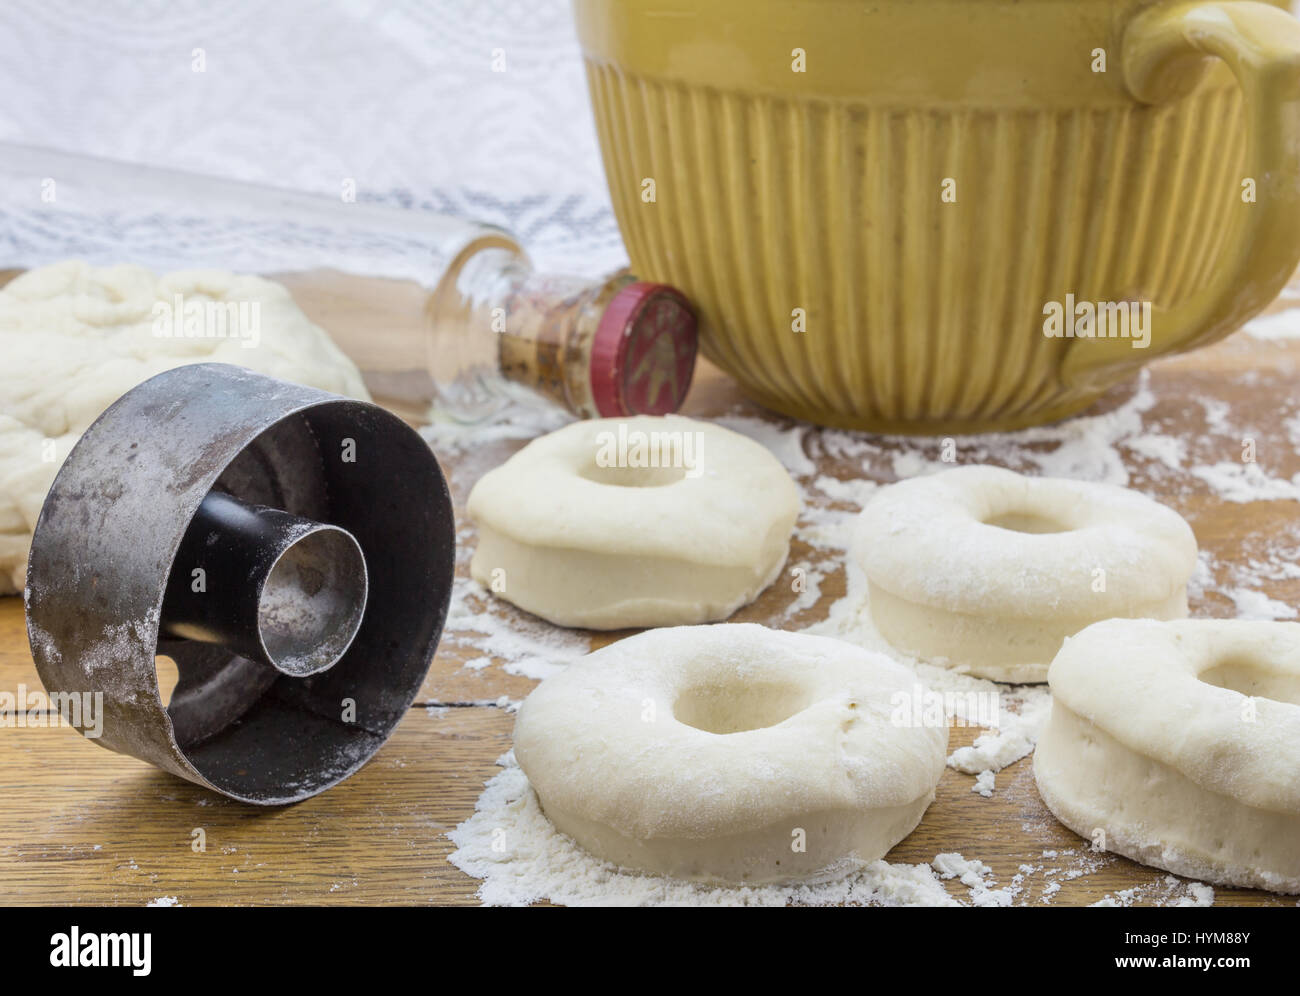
[712,752]
[990,570]
[1180,742]
[575,528]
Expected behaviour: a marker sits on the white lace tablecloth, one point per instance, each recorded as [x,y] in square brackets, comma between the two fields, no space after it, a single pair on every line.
[470,107]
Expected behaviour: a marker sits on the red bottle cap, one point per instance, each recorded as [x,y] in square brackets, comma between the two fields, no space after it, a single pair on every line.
[643,352]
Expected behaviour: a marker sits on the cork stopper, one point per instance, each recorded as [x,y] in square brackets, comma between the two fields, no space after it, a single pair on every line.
[612,347]
[643,352]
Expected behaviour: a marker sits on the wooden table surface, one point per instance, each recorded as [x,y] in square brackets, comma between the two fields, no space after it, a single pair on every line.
[80,824]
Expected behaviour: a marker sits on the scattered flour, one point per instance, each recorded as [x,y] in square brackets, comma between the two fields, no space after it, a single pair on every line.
[1012,740]
[1292,426]
[524,417]
[1084,448]
[1280,325]
[524,644]
[1218,416]
[1202,579]
[852,492]
[1239,581]
[1170,451]
[786,441]
[510,845]
[810,592]
[1246,482]
[1124,897]
[1257,605]
[1168,891]
[1201,895]
[976,876]
[521,858]
[164,901]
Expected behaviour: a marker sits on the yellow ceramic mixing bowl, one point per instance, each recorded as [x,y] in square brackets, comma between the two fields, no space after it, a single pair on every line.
[878,204]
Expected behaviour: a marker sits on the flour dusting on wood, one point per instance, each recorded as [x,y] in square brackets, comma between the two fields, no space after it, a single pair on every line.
[520,858]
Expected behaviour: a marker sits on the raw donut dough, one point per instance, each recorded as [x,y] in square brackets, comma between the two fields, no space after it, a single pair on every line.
[992,570]
[582,543]
[75,337]
[702,752]
[1154,742]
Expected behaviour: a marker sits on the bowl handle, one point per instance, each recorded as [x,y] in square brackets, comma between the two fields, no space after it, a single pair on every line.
[1165,51]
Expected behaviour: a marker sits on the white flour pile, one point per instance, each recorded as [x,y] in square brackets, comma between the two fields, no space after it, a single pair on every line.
[510,844]
[524,644]
[1281,325]
[520,858]
[1166,892]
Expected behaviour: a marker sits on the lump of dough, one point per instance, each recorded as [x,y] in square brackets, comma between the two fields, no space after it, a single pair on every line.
[76,337]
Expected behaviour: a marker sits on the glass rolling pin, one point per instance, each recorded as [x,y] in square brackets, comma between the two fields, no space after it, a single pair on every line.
[458,342]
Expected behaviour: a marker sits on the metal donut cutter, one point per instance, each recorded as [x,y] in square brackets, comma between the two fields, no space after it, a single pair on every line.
[292,551]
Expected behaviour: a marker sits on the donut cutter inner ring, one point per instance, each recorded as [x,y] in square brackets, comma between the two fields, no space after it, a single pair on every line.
[292,551]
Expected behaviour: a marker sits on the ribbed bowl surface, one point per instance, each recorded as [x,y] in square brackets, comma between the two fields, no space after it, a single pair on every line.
[920,315]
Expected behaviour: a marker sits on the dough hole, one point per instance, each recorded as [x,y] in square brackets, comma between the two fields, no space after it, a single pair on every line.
[1026,522]
[1255,679]
[634,477]
[738,707]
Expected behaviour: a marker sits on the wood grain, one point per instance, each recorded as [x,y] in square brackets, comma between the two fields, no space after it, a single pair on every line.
[84,825]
